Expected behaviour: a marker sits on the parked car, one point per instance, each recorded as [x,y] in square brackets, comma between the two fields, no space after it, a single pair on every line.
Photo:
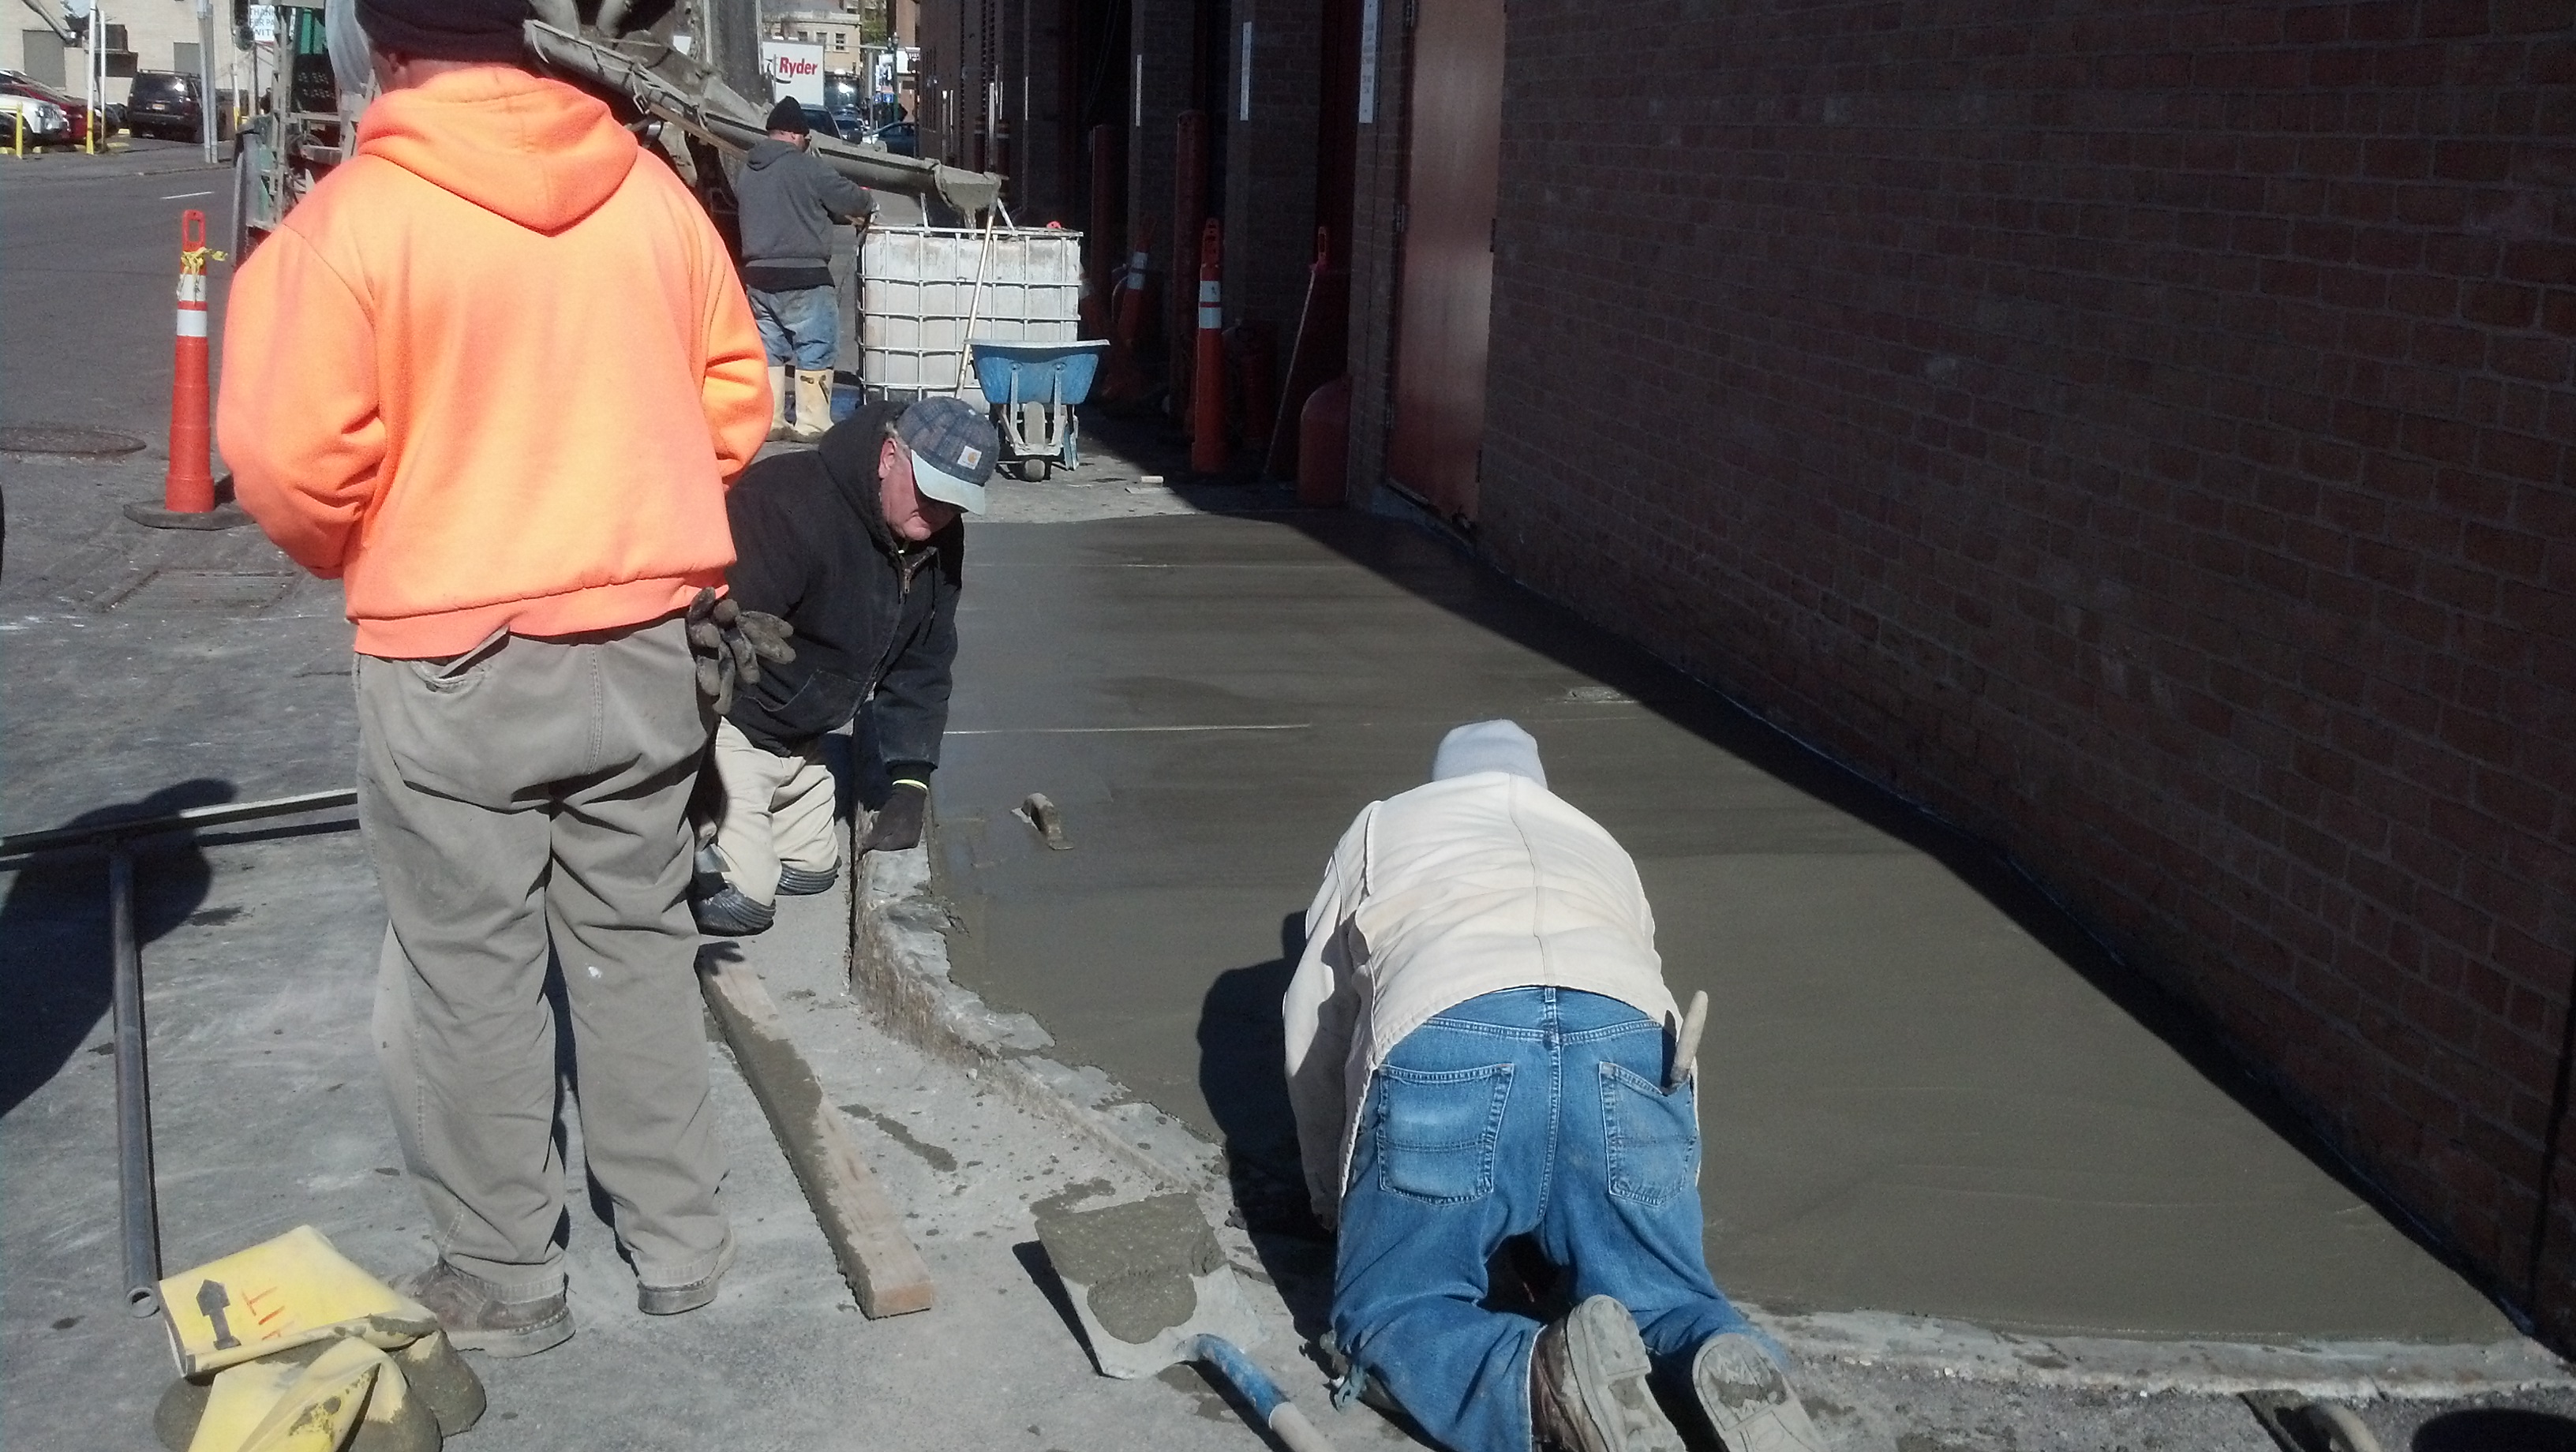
[75,113]
[45,123]
[167,103]
[899,138]
[853,125]
[823,123]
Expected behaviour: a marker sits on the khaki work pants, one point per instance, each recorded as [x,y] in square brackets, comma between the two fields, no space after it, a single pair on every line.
[777,811]
[530,796]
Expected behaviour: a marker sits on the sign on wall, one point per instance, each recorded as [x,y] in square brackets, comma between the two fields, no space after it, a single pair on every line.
[795,71]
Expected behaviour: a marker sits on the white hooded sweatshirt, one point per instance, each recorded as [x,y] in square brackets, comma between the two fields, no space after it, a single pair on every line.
[1469,885]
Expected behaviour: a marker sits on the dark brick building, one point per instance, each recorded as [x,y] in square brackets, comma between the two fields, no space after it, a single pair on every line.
[2142,431]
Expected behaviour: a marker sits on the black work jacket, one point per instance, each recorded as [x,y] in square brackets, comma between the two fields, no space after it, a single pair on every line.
[872,613]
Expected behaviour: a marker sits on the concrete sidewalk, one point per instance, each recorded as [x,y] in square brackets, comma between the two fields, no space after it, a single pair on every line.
[1929,1102]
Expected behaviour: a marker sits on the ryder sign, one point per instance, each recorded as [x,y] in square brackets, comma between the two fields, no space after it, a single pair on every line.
[795,71]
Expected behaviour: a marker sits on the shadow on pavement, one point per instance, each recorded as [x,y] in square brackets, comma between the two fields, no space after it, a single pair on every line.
[2496,1429]
[54,972]
[1439,570]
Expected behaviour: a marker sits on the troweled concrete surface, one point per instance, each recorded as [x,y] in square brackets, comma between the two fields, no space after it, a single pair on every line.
[1923,1092]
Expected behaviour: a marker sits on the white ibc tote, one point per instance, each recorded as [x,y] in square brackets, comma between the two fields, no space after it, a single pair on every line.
[925,291]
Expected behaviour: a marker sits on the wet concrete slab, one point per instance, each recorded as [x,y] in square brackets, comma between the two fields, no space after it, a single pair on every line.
[1924,1092]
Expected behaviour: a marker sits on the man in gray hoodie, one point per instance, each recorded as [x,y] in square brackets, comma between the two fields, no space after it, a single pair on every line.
[789,200]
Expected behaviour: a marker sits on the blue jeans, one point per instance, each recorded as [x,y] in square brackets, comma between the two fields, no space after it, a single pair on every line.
[801,326]
[1533,1111]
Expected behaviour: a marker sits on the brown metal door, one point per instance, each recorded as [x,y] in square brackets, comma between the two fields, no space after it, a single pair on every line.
[1444,309]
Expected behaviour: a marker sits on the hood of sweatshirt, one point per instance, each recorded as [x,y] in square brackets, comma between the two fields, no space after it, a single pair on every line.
[766,151]
[849,452]
[533,150]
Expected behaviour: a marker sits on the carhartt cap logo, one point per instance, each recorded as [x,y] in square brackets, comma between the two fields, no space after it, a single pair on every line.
[953,448]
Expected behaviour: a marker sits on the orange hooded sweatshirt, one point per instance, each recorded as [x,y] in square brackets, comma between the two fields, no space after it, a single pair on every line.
[496,372]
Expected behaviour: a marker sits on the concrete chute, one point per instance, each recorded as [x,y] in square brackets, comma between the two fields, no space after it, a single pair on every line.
[662,82]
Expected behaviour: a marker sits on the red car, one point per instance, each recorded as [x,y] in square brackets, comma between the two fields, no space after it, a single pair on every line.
[14,84]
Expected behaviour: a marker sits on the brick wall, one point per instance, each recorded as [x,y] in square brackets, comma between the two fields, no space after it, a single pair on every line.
[2142,430]
[1269,201]
[1377,188]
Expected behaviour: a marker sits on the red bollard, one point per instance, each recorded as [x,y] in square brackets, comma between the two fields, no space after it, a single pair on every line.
[1324,445]
[1189,212]
[1123,378]
[190,486]
[1207,391]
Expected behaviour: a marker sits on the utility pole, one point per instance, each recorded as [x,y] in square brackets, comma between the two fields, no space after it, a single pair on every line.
[206,75]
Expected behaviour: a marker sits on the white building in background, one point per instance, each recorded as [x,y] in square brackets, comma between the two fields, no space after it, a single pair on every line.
[45,40]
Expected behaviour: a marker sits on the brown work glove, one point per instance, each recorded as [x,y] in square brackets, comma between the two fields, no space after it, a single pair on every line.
[897,825]
[730,643]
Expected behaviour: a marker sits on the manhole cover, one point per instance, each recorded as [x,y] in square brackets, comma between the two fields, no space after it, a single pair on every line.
[74,441]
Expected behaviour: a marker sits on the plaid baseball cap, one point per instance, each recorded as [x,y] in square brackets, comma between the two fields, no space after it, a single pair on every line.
[954,449]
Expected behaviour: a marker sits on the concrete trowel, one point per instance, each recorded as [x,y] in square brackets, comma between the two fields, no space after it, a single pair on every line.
[1152,1289]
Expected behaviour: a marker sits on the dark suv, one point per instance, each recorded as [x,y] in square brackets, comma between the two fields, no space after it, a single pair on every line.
[165,103]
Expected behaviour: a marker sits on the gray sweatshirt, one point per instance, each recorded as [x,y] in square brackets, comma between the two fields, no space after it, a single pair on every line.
[789,201]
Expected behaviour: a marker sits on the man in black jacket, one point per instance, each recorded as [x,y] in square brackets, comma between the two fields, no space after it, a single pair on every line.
[860,545]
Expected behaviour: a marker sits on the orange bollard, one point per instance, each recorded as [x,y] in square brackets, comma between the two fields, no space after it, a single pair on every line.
[1207,391]
[190,486]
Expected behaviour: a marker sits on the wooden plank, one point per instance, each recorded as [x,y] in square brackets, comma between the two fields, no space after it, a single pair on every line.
[879,1261]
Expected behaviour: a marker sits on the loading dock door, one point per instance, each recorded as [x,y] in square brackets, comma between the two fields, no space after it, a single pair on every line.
[1444,301]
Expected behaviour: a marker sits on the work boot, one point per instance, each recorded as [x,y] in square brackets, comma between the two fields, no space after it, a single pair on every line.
[475,1317]
[1588,1385]
[722,909]
[806,881]
[1748,1402]
[778,429]
[672,1300]
[729,912]
[813,403]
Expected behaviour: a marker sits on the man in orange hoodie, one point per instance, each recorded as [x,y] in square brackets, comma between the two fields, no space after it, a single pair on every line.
[495,374]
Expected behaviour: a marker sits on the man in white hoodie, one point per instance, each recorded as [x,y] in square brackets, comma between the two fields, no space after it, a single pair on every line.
[1481,1046]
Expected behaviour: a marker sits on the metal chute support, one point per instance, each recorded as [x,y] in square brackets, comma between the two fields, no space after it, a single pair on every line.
[664,83]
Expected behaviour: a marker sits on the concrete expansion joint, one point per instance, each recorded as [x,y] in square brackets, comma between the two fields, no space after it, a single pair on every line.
[899,971]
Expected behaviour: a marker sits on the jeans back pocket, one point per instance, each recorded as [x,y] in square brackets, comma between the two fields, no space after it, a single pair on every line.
[1652,1137]
[1436,1131]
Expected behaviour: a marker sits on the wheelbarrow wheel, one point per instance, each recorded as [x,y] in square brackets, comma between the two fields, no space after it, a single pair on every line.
[1030,471]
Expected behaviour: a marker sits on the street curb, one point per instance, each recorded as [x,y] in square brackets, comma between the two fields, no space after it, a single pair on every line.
[899,970]
[2342,1370]
[899,967]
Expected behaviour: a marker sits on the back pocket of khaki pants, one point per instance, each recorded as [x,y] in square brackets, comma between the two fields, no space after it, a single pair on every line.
[1436,1130]
[1653,1137]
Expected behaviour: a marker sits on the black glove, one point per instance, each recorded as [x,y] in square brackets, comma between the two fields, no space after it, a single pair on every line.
[898,822]
[730,643]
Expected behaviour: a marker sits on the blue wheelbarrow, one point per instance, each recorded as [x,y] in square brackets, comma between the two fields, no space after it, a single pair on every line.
[1033,388]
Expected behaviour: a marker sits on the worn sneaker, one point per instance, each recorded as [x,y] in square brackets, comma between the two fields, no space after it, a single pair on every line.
[1747,1400]
[672,1300]
[805,882]
[728,913]
[1588,1385]
[475,1317]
